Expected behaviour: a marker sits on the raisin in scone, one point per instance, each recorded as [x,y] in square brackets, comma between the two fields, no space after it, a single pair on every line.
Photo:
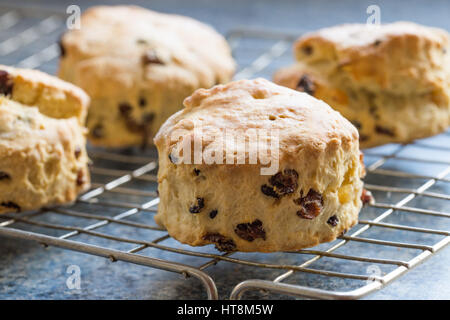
[137,66]
[391,81]
[214,193]
[43,160]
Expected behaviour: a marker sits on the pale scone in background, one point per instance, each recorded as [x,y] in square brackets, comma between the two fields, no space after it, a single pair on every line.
[137,66]
[391,81]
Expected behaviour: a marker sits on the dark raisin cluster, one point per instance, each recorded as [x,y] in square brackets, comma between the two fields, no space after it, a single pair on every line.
[125,109]
[11,205]
[80,178]
[281,184]
[6,83]
[269,191]
[357,124]
[141,127]
[310,205]
[4,176]
[197,206]
[363,137]
[213,214]
[142,102]
[251,231]
[150,57]
[222,243]
[305,84]
[333,221]
[307,50]
[385,131]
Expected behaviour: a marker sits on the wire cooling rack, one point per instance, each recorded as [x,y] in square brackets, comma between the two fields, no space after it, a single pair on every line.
[408,224]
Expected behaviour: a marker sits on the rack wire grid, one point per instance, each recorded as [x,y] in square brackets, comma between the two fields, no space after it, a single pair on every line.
[407,224]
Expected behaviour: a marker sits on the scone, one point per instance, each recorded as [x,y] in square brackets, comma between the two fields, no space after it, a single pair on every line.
[391,81]
[43,160]
[212,184]
[138,66]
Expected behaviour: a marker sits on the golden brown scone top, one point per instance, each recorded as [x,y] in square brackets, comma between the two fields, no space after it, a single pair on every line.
[401,57]
[54,97]
[301,121]
[125,38]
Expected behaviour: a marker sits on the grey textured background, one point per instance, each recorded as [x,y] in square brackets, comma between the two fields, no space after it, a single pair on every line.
[29,271]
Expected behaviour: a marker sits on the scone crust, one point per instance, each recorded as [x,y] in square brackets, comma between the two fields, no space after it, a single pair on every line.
[137,66]
[315,143]
[54,97]
[43,160]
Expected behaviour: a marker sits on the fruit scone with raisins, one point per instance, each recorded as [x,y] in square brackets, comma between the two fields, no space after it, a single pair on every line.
[391,81]
[43,160]
[137,66]
[253,166]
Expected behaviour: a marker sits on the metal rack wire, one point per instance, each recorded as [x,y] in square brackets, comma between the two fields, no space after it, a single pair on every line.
[410,182]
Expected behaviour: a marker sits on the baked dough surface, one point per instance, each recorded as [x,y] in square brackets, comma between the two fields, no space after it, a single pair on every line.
[313,196]
[391,81]
[137,66]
